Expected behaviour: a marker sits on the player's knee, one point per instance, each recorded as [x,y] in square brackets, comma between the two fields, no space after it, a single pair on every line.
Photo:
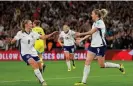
[40,65]
[71,58]
[87,62]
[34,64]
[67,58]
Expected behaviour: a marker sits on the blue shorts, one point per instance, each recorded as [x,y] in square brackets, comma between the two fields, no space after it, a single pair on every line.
[99,51]
[70,49]
[28,56]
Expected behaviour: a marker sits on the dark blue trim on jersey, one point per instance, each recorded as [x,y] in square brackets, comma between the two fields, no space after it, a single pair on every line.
[27,32]
[19,44]
[99,29]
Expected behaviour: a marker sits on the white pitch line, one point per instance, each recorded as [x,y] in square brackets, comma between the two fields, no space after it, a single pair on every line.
[15,81]
[62,78]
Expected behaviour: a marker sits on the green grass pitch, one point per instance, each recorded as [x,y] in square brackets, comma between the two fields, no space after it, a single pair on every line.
[56,74]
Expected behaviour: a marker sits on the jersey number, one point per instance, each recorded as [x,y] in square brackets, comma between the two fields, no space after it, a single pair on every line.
[98,50]
[28,41]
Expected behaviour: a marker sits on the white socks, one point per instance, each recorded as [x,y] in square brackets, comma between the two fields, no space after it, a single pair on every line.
[68,65]
[39,75]
[111,65]
[87,69]
[86,73]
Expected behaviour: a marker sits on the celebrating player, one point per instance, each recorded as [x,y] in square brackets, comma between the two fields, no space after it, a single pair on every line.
[98,45]
[28,53]
[40,44]
[68,44]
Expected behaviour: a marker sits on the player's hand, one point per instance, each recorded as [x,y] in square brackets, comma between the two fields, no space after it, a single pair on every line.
[8,40]
[62,45]
[78,41]
[77,34]
[56,32]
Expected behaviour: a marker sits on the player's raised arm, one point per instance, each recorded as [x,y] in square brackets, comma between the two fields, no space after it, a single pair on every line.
[97,25]
[59,40]
[79,40]
[17,37]
[13,41]
[49,35]
[93,30]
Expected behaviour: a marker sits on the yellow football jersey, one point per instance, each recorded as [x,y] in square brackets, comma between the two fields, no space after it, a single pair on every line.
[40,44]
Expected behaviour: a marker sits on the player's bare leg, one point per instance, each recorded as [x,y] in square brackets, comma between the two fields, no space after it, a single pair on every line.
[42,68]
[37,72]
[72,58]
[90,57]
[67,56]
[103,64]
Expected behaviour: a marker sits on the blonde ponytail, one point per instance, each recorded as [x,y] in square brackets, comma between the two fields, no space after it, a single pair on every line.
[103,13]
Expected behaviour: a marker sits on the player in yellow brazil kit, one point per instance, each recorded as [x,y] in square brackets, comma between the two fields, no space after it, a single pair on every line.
[40,44]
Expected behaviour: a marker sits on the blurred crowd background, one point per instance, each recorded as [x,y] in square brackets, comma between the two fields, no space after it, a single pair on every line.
[77,14]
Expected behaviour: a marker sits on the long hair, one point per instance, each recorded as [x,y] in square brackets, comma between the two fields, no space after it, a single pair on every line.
[37,22]
[101,13]
[23,24]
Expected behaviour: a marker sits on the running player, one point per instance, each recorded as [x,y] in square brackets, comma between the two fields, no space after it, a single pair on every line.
[40,44]
[28,53]
[98,45]
[68,44]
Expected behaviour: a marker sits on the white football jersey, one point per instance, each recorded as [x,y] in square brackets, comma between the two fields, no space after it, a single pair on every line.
[68,38]
[27,42]
[98,38]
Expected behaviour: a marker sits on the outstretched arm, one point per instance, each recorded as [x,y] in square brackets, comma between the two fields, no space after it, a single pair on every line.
[79,40]
[87,33]
[60,42]
[47,36]
[17,37]
[87,36]
[13,41]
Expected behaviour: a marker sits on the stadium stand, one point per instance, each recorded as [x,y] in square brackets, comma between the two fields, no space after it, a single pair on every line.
[76,14]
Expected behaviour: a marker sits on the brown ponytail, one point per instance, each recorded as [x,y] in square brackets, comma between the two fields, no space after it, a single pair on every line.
[37,22]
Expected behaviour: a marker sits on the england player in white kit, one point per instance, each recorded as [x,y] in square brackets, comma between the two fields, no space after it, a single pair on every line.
[98,45]
[27,50]
[68,45]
